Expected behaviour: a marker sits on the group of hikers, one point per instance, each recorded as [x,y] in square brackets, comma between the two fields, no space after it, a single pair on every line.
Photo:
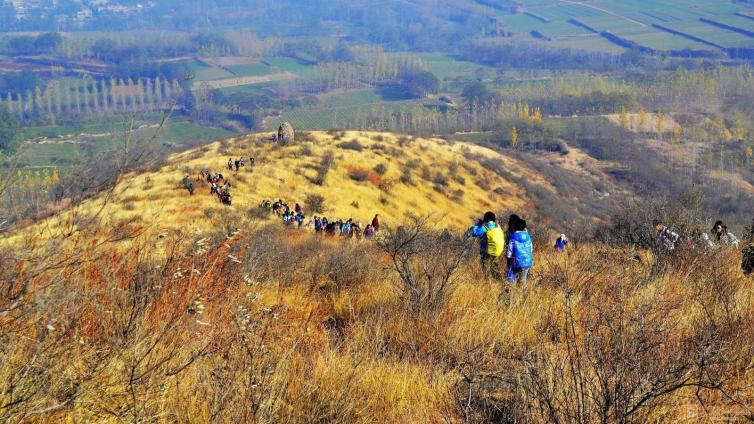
[235,165]
[321,225]
[512,246]
[219,184]
[720,238]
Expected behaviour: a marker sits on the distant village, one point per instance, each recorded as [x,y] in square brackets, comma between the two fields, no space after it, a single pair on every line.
[70,11]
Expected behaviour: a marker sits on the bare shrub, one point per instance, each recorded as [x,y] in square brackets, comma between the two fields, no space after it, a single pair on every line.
[305,150]
[325,165]
[351,145]
[413,164]
[363,174]
[358,174]
[315,203]
[305,136]
[425,263]
[148,184]
[406,177]
[483,183]
[380,168]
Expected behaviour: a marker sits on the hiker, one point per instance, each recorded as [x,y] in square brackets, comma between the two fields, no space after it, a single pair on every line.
[722,236]
[376,223]
[747,260]
[191,189]
[298,208]
[701,239]
[237,163]
[230,163]
[491,243]
[368,231]
[666,238]
[561,243]
[520,253]
[317,224]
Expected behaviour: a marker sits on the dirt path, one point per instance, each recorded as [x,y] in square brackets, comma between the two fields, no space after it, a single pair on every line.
[238,81]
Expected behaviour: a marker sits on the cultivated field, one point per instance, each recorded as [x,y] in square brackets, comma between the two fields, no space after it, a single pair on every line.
[648,24]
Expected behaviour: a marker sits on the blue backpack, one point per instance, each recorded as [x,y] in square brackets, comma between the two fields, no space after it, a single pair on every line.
[523,250]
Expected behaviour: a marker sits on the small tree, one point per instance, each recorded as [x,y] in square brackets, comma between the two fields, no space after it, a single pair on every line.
[514,137]
[425,261]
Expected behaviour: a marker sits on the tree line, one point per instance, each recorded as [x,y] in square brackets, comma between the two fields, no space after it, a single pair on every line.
[65,97]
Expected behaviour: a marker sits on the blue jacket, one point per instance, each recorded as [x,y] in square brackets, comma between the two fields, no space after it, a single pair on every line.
[520,250]
[479,231]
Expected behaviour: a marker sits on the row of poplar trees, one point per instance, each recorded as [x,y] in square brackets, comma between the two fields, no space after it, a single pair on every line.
[66,97]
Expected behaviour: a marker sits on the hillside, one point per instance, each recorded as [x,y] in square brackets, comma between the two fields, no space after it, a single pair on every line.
[452,181]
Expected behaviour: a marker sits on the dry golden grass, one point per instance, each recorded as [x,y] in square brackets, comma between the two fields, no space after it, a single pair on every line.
[122,338]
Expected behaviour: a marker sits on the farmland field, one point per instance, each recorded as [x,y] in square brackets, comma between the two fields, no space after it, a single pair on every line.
[632,20]
[65,146]
[341,110]
[291,65]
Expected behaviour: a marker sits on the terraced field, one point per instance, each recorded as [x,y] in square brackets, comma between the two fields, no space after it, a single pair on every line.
[665,25]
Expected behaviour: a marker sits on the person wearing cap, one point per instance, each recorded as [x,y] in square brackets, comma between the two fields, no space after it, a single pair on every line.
[561,243]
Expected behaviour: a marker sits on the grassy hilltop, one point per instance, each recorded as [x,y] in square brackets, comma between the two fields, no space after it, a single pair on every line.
[368,173]
[145,304]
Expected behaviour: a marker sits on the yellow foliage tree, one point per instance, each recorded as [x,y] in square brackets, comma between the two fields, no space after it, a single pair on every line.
[727,135]
[623,117]
[642,120]
[677,134]
[538,115]
[660,125]
[514,137]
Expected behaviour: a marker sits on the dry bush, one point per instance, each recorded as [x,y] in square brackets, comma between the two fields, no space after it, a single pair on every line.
[363,174]
[315,203]
[406,177]
[380,168]
[148,184]
[425,263]
[327,162]
[305,150]
[351,145]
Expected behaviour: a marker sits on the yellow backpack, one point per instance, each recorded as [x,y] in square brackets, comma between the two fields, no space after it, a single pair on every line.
[495,241]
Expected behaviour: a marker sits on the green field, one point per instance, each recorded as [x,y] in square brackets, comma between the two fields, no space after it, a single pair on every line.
[447,67]
[291,65]
[632,20]
[342,110]
[203,72]
[251,69]
[67,145]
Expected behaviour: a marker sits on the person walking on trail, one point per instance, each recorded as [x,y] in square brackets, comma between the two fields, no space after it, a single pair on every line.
[491,243]
[368,231]
[376,223]
[747,257]
[191,189]
[666,237]
[722,236]
[520,253]
[561,243]
[230,164]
